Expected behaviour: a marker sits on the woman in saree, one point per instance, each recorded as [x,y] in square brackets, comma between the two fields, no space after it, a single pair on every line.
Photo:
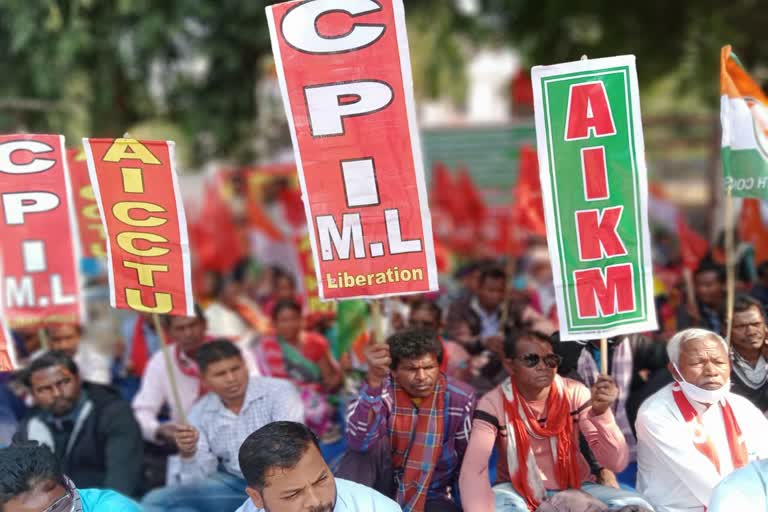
[303,357]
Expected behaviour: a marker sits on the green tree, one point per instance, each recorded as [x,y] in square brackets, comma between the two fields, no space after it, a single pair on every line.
[101,68]
[668,37]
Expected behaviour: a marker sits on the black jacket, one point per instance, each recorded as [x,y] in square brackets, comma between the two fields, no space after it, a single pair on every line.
[105,449]
[758,396]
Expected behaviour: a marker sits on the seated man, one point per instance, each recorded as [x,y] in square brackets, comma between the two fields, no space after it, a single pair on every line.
[187,335]
[749,367]
[31,479]
[693,432]
[418,412]
[219,423]
[286,472]
[535,417]
[90,429]
[94,366]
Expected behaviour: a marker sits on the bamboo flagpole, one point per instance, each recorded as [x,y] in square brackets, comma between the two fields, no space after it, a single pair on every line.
[604,356]
[42,334]
[169,369]
[729,261]
[378,321]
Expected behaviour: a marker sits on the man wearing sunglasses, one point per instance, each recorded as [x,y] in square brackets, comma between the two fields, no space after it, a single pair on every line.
[31,481]
[535,417]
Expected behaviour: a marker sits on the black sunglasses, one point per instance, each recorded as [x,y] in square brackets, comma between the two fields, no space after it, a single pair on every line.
[533,360]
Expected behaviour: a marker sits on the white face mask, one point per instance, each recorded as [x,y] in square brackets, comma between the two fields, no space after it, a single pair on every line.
[705,396]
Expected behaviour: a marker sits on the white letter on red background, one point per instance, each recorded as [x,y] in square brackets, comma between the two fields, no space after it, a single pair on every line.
[300,26]
[326,110]
[33,146]
[16,204]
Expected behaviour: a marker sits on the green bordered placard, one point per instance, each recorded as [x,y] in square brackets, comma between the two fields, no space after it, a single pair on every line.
[594,184]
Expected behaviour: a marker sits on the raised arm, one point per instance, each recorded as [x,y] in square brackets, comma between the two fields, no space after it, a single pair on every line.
[368,416]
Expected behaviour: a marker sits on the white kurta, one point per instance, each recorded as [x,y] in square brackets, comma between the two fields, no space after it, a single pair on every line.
[672,473]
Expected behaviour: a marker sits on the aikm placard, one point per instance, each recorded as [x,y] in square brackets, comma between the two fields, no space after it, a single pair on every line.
[594,185]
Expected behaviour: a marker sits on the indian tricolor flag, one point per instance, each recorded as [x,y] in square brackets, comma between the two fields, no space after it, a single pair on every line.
[744,116]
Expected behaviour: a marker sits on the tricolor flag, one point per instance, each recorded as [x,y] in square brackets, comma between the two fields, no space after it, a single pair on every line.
[744,116]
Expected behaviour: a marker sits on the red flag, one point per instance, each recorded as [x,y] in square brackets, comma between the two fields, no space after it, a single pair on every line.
[469,213]
[693,247]
[528,210]
[442,187]
[470,197]
[752,229]
[218,243]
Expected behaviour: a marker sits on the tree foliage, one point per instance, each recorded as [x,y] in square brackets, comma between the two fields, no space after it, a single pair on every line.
[101,68]
[668,37]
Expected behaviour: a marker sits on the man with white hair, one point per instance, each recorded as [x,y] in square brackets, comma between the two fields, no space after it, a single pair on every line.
[694,432]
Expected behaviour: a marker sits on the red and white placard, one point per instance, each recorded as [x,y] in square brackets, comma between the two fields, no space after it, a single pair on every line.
[345,75]
[38,238]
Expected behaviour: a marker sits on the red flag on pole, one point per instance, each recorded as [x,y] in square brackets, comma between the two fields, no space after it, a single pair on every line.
[693,247]
[528,210]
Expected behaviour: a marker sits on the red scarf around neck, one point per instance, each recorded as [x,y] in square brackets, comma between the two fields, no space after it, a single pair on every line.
[558,424]
[703,442]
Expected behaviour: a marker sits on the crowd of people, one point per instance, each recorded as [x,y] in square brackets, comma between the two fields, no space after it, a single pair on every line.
[470,402]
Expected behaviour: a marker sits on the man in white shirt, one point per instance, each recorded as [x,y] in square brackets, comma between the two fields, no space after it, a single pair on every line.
[286,473]
[187,335]
[694,432]
[218,424]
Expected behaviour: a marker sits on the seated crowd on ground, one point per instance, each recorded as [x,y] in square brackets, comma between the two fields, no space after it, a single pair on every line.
[469,402]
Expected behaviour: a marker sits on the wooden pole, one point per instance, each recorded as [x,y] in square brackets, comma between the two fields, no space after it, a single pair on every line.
[169,369]
[729,262]
[43,335]
[689,287]
[604,356]
[378,321]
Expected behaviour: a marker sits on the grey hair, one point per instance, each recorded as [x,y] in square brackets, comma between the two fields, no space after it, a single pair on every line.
[675,345]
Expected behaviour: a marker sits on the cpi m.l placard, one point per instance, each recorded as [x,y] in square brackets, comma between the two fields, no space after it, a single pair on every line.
[345,76]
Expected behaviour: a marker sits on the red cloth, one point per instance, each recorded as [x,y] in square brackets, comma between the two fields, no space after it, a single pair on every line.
[189,368]
[693,247]
[139,349]
[739,456]
[558,424]
[313,346]
[528,210]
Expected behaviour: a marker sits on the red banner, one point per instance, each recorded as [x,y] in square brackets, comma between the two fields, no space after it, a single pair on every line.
[345,75]
[147,244]
[7,349]
[39,242]
[92,236]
